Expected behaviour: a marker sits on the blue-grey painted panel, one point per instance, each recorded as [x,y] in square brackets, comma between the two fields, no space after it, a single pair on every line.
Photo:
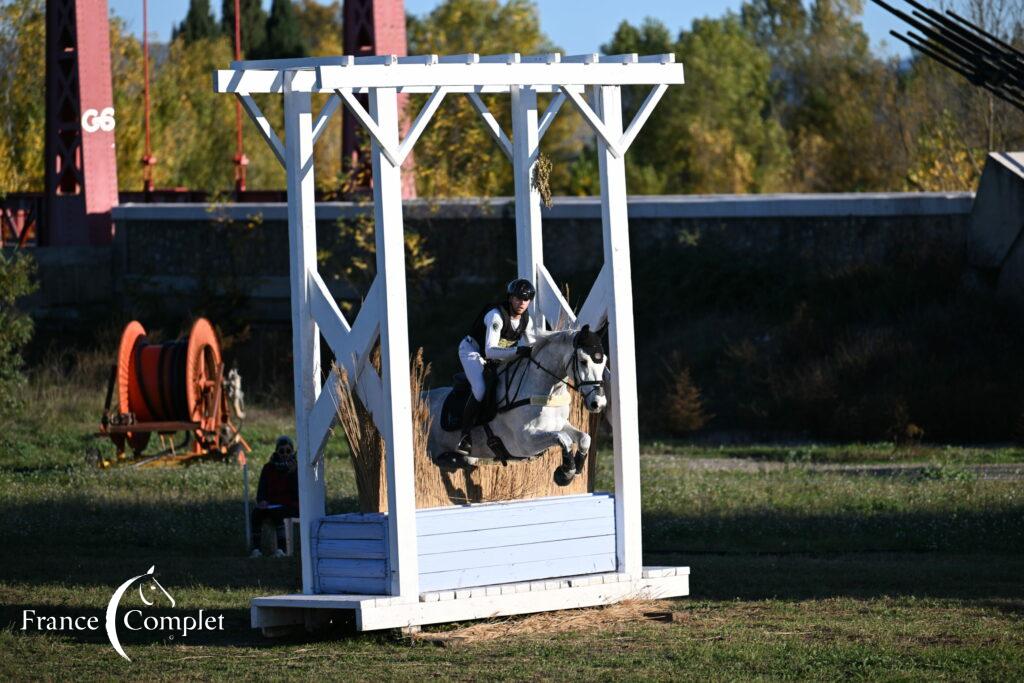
[364,569]
[516,535]
[331,585]
[513,554]
[517,513]
[527,571]
[351,549]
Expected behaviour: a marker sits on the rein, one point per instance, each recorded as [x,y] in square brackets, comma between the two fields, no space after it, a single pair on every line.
[516,402]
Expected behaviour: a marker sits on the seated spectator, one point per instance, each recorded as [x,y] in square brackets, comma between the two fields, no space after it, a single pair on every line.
[277,496]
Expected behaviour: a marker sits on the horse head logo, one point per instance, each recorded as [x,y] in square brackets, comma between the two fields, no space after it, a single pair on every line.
[115,600]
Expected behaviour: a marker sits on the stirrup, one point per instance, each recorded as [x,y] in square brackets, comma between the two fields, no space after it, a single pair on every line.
[465,446]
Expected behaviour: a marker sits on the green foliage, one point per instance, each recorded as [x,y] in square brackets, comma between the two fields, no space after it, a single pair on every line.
[456,156]
[16,271]
[283,38]
[198,24]
[22,105]
[253,24]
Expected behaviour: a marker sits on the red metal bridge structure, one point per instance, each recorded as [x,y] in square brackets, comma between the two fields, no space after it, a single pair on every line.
[81,166]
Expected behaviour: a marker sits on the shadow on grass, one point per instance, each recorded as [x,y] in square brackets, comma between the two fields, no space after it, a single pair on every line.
[63,544]
[236,631]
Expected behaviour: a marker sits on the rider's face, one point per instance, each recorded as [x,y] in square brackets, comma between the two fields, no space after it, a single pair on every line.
[517,305]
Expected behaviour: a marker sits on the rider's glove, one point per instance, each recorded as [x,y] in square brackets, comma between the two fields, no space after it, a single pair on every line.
[523,351]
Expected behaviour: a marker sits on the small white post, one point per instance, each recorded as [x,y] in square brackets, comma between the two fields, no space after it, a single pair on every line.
[622,353]
[389,235]
[298,119]
[525,150]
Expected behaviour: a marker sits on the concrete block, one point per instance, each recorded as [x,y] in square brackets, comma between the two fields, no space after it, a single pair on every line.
[997,215]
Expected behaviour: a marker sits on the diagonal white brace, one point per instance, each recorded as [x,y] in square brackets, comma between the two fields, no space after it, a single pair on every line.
[549,114]
[493,127]
[595,309]
[594,121]
[266,130]
[642,114]
[371,126]
[553,305]
[420,124]
[320,124]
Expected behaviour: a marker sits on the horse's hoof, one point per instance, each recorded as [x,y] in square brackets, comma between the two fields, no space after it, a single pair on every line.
[451,461]
[564,477]
[578,461]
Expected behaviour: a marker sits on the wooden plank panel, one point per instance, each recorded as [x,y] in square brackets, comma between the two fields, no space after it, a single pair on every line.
[340,531]
[363,569]
[349,585]
[517,514]
[349,549]
[511,555]
[486,576]
[533,533]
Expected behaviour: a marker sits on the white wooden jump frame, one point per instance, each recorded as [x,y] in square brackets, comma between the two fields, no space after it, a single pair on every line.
[592,84]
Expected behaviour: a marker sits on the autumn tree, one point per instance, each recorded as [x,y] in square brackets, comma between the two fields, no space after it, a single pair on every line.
[253,24]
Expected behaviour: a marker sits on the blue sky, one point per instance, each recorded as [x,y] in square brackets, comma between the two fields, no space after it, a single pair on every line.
[576,25]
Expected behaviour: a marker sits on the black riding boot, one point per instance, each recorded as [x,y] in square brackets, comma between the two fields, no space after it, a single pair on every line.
[469,413]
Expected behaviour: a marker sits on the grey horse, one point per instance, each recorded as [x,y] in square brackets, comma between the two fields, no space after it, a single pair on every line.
[533,404]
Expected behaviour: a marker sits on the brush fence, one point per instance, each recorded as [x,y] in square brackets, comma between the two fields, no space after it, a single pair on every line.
[471,545]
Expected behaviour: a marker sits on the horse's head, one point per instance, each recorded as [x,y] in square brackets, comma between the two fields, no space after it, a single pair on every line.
[587,366]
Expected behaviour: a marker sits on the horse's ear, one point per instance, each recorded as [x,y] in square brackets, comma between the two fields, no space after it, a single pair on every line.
[586,328]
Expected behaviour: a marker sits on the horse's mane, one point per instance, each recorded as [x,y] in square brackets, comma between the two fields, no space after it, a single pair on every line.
[544,338]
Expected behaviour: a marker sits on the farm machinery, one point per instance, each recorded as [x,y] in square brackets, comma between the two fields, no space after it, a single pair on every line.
[167,388]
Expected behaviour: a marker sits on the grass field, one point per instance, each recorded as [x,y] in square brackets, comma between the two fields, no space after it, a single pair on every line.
[807,562]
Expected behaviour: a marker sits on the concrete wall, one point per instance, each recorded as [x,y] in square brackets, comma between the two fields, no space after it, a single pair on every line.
[163,250]
[169,262]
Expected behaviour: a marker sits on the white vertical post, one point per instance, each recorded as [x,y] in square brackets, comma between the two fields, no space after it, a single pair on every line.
[622,352]
[298,119]
[389,235]
[525,150]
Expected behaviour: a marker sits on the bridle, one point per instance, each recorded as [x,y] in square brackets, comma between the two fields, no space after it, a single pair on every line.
[578,384]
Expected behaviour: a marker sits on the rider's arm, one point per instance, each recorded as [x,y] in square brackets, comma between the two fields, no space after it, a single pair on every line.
[529,334]
[492,351]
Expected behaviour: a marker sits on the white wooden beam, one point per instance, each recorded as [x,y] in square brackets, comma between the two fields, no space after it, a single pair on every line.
[394,346]
[550,301]
[605,136]
[420,124]
[324,117]
[298,118]
[371,126]
[525,151]
[641,116]
[264,127]
[488,72]
[594,310]
[622,351]
[549,114]
[493,127]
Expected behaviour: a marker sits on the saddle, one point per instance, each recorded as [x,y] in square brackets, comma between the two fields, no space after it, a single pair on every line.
[455,402]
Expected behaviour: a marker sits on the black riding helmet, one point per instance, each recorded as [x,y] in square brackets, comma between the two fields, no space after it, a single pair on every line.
[521,289]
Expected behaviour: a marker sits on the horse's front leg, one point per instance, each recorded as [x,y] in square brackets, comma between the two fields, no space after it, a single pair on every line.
[540,441]
[582,441]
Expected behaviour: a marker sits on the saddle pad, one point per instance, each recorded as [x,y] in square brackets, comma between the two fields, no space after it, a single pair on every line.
[454,404]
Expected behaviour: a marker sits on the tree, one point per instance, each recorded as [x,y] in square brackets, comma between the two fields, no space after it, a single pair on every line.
[283,37]
[22,105]
[198,24]
[253,23]
[716,133]
[456,156]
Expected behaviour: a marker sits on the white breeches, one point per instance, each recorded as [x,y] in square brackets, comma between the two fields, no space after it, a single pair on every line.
[473,366]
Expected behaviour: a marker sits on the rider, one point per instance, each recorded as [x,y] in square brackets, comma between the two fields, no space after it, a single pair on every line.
[494,337]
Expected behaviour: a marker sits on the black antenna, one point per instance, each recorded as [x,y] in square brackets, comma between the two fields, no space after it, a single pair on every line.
[985,60]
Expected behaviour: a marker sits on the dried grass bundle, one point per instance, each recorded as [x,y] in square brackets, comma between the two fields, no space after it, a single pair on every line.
[435,487]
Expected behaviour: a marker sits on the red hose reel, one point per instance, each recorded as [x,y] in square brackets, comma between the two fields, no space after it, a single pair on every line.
[170,387]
